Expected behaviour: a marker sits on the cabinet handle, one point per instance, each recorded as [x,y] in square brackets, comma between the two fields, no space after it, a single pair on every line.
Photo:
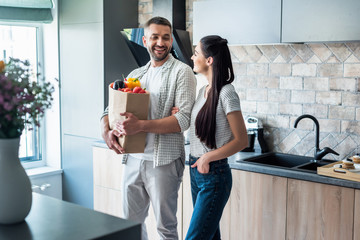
[43,187]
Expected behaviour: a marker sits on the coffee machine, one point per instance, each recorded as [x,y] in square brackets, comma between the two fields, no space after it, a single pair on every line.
[255,133]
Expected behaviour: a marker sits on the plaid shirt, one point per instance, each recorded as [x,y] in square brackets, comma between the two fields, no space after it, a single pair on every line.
[177,89]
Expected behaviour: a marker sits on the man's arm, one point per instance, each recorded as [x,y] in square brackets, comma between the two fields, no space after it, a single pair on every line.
[133,125]
[179,122]
[185,97]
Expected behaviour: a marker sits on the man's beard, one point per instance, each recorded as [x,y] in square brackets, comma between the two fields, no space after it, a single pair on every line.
[155,57]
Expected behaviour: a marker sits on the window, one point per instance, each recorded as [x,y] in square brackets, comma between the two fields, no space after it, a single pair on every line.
[24,42]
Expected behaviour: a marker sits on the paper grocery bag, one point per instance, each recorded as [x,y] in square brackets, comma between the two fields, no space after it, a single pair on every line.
[135,103]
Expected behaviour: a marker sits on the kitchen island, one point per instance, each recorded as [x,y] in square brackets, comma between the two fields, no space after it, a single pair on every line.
[266,202]
[51,218]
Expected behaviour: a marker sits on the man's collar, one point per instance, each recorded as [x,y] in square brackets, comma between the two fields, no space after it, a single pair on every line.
[169,62]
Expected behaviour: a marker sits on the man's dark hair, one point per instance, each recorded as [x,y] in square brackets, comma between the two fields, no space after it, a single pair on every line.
[159,21]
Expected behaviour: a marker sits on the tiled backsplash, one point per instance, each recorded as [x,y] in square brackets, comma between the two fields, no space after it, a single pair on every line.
[278,83]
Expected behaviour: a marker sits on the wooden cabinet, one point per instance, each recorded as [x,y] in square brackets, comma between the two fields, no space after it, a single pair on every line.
[107,169]
[240,21]
[256,208]
[319,211]
[357,215]
[260,206]
[276,21]
[269,207]
[187,207]
[320,20]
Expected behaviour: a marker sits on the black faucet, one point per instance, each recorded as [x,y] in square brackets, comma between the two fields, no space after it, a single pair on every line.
[319,154]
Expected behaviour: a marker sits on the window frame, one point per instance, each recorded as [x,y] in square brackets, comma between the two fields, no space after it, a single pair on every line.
[39,146]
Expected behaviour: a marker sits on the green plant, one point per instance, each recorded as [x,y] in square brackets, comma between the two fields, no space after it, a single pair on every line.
[24,97]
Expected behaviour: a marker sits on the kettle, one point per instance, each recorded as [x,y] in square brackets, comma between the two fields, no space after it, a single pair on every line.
[255,131]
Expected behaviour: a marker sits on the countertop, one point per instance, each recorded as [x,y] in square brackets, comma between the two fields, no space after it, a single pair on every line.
[236,162]
[51,218]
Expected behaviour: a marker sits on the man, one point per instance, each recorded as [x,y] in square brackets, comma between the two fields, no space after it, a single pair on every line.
[155,175]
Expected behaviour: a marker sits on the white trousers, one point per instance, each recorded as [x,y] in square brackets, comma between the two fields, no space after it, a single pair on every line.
[142,184]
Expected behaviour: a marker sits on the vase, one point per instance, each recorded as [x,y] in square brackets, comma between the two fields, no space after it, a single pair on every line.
[15,186]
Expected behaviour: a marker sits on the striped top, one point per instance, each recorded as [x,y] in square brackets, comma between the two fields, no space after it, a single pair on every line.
[228,102]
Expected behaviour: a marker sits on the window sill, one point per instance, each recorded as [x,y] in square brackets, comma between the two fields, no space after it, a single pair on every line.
[43,172]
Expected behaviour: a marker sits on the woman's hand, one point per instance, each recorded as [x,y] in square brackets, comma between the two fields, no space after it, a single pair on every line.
[174,110]
[202,164]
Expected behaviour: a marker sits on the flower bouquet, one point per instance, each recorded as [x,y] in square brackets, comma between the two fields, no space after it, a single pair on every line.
[23,100]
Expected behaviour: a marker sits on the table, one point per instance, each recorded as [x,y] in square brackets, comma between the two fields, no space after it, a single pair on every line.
[52,218]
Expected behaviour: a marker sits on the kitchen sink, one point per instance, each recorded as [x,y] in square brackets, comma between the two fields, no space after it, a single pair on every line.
[279,159]
[294,162]
[312,166]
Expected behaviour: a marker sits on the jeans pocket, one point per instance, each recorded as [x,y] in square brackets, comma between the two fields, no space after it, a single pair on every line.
[205,174]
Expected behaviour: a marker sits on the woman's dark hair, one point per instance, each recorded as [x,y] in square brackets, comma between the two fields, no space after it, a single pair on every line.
[205,123]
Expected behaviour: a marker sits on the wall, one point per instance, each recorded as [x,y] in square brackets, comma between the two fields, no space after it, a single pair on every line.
[85,27]
[52,121]
[81,81]
[278,83]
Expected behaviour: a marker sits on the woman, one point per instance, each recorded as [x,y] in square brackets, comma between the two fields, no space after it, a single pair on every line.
[217,131]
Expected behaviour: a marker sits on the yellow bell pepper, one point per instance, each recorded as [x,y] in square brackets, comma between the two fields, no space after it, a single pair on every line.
[132,82]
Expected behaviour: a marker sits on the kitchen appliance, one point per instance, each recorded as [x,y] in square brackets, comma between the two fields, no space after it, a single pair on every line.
[255,133]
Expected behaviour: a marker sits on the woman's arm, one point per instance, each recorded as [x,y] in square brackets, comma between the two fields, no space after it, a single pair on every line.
[239,142]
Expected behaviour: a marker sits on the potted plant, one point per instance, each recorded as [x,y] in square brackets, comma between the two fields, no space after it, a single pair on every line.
[23,101]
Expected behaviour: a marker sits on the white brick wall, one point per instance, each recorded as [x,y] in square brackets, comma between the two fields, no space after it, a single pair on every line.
[351,70]
[351,99]
[268,82]
[277,95]
[267,108]
[290,109]
[317,79]
[340,112]
[280,69]
[343,84]
[330,98]
[307,70]
[317,110]
[302,96]
[316,83]
[291,83]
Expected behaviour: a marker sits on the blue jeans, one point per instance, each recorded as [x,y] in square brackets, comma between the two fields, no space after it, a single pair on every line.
[210,192]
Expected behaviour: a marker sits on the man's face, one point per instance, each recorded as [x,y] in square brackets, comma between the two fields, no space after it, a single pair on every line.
[158,41]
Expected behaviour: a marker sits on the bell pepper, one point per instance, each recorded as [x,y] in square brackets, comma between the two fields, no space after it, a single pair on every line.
[132,82]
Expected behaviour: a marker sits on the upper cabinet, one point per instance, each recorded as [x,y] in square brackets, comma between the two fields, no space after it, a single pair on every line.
[240,22]
[320,20]
[277,21]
